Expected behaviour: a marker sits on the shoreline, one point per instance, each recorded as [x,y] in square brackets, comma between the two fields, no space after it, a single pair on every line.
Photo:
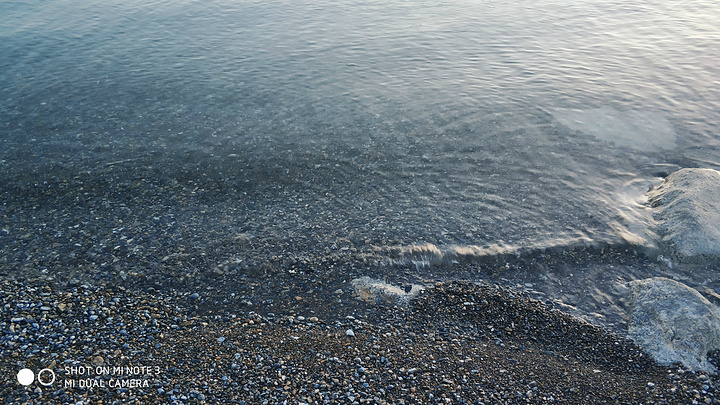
[194,261]
[589,282]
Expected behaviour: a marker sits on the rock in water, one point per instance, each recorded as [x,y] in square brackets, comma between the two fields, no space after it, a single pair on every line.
[674,323]
[687,208]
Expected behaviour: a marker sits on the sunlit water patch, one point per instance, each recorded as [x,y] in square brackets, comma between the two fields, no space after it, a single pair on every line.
[641,130]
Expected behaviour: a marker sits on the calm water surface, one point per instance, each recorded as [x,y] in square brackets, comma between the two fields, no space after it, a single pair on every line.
[477,124]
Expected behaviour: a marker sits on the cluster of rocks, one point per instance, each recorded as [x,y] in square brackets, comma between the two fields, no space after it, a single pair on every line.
[671,321]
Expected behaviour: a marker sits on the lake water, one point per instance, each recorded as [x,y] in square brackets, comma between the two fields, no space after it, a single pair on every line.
[225,132]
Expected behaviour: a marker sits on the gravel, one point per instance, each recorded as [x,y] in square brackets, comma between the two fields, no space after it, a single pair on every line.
[455,343]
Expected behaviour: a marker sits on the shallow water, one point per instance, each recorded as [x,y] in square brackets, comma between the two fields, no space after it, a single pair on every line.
[297,128]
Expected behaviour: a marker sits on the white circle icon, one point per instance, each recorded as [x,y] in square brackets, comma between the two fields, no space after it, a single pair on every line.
[25,376]
[44,380]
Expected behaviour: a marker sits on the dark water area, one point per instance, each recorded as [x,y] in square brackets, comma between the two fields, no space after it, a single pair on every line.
[255,151]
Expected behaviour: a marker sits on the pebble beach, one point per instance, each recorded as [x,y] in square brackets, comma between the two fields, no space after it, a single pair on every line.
[359,202]
[454,343]
[191,311]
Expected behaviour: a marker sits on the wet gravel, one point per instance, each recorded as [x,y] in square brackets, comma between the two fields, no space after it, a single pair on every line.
[246,234]
[455,343]
[203,288]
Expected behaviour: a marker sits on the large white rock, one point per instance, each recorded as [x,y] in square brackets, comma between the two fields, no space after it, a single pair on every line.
[687,210]
[377,291]
[674,323]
